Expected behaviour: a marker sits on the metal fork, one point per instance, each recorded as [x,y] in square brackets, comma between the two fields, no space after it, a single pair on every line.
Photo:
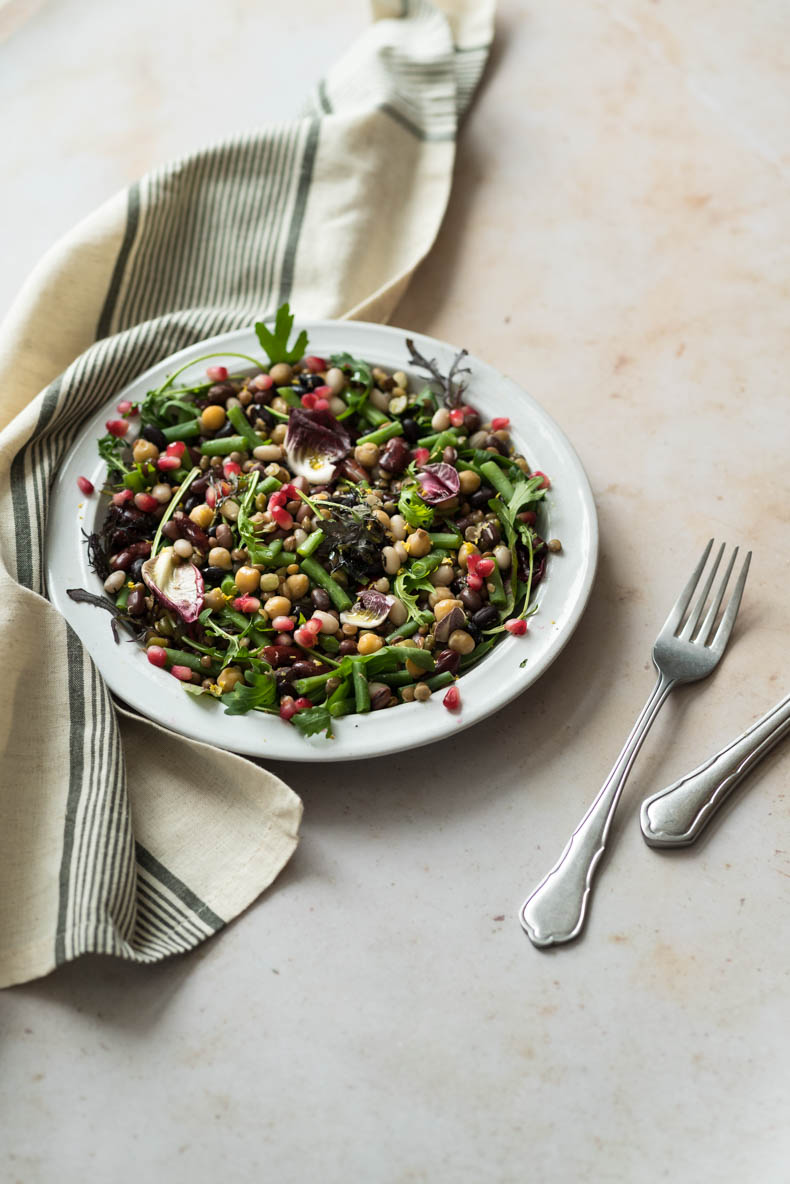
[555,911]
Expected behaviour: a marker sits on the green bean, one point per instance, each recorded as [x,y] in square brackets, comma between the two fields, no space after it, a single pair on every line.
[342,707]
[447,437]
[440,539]
[381,434]
[268,485]
[182,431]
[224,446]
[406,630]
[184,658]
[498,479]
[122,597]
[373,416]
[339,694]
[440,680]
[315,572]
[306,686]
[398,678]
[311,544]
[497,594]
[290,395]
[328,643]
[420,568]
[409,653]
[361,689]
[477,653]
[243,427]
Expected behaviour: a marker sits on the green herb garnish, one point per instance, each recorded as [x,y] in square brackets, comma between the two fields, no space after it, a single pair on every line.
[276,344]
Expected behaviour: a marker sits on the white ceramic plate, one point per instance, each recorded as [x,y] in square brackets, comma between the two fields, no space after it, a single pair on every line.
[512,667]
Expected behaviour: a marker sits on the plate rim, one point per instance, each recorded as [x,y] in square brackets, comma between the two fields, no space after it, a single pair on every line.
[418,726]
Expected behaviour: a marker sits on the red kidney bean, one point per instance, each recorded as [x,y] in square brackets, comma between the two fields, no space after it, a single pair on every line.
[395,455]
[349,646]
[171,530]
[447,660]
[321,600]
[124,559]
[135,605]
[471,600]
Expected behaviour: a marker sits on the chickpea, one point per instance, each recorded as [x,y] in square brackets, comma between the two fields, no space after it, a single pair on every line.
[144,450]
[277,606]
[399,526]
[335,380]
[162,493]
[440,421]
[443,607]
[461,642]
[220,557]
[268,452]
[212,418]
[247,579]
[281,374]
[366,454]
[469,482]
[230,510]
[202,516]
[392,561]
[422,693]
[297,585]
[443,576]
[214,600]
[464,551]
[227,678]
[183,548]
[329,624]
[369,643]
[418,543]
[269,582]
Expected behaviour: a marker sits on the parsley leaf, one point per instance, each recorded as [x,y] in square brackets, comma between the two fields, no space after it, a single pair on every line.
[244,697]
[313,720]
[110,447]
[413,508]
[276,344]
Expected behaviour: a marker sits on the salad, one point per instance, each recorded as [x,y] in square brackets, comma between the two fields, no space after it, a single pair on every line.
[315,537]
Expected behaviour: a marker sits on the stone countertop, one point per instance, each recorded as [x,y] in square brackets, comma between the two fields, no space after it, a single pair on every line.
[616,242]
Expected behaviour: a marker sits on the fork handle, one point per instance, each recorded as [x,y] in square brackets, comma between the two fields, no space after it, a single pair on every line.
[676,816]
[555,912]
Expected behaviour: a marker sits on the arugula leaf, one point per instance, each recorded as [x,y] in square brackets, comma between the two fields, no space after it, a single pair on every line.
[276,344]
[243,697]
[110,447]
[406,587]
[525,491]
[313,720]
[413,508]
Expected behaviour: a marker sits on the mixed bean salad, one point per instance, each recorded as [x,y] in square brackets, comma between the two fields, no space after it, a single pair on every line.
[316,537]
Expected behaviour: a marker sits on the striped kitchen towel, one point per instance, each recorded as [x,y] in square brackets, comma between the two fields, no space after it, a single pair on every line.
[117,836]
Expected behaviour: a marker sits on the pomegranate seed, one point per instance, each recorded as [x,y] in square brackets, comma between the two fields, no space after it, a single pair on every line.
[117,427]
[314,625]
[182,672]
[86,486]
[263,382]
[145,502]
[472,561]
[308,401]
[457,417]
[323,392]
[546,483]
[168,463]
[485,567]
[303,703]
[314,365]
[517,626]
[305,637]
[322,405]
[157,656]
[452,700]
[474,581]
[121,498]
[283,624]
[177,448]
[278,498]
[500,423]
[288,707]
[211,497]
[126,407]
[289,492]
[283,519]
[246,604]
[421,455]
[217,373]
[230,468]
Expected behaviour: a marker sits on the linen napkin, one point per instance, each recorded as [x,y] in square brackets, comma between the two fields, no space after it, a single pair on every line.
[117,836]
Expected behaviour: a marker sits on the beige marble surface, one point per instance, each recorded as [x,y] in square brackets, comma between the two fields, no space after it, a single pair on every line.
[617,240]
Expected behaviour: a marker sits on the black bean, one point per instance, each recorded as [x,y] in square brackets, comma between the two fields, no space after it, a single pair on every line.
[220,392]
[227,429]
[480,498]
[411,430]
[213,575]
[136,569]
[447,660]
[152,433]
[471,600]
[321,599]
[486,617]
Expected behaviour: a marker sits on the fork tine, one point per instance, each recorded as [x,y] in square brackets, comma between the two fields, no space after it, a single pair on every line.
[730,613]
[710,616]
[682,602]
[696,613]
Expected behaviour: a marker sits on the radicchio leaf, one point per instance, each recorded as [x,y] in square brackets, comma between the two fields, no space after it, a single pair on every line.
[370,610]
[315,442]
[178,585]
[438,483]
